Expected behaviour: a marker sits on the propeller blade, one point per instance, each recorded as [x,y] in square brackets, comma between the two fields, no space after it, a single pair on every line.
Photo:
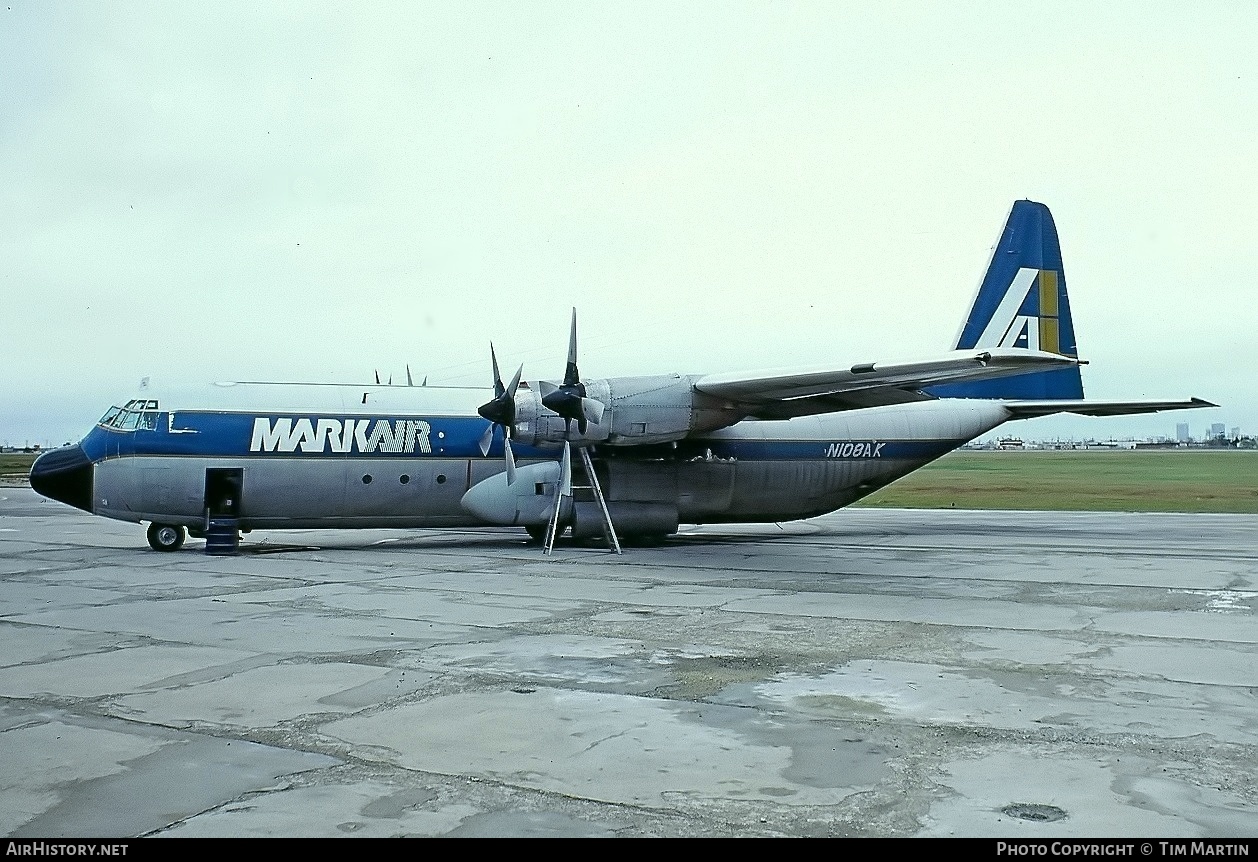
[500,410]
[592,409]
[565,474]
[563,489]
[569,399]
[515,382]
[510,459]
[571,377]
[493,358]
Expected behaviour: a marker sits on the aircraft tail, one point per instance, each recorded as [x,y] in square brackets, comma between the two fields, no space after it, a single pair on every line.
[1022,304]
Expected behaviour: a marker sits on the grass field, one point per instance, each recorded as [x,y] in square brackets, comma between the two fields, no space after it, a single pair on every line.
[1098,481]
[15,464]
[1119,481]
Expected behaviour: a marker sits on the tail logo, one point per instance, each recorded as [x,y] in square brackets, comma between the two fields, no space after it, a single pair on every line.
[1027,316]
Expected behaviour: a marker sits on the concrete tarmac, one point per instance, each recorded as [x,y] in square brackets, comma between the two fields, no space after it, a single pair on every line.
[868,673]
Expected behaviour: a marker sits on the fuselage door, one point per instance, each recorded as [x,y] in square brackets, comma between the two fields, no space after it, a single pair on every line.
[223,489]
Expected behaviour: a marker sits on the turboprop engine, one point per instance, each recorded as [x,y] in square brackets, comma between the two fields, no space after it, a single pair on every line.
[618,411]
[633,411]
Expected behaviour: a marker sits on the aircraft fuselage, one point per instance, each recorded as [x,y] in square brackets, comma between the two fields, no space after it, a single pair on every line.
[361,457]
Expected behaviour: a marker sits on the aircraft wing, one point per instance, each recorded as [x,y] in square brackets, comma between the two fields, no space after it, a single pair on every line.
[783,393]
[1030,409]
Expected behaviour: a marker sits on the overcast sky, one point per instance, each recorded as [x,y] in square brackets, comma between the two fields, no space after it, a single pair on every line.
[312,191]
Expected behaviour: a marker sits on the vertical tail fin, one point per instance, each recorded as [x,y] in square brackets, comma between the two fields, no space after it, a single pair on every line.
[1022,304]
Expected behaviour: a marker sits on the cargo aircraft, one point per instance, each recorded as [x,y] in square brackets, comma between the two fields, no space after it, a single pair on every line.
[651,452]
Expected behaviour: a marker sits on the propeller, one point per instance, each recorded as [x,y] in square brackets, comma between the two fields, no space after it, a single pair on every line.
[500,411]
[569,399]
[563,491]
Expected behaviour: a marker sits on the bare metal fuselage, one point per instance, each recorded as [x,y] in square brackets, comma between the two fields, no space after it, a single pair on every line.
[752,471]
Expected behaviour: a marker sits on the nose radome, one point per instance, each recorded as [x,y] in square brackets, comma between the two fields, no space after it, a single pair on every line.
[64,475]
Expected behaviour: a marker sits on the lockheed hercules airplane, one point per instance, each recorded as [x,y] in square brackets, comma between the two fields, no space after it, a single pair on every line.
[654,452]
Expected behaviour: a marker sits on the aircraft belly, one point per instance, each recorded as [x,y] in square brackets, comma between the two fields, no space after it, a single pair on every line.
[783,490]
[812,465]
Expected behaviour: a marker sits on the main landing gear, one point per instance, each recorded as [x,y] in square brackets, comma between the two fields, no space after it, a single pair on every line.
[166,537]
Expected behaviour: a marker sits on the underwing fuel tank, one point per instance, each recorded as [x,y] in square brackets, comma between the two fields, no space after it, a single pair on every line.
[526,502]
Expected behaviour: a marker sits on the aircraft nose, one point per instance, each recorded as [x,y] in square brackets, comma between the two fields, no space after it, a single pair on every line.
[64,475]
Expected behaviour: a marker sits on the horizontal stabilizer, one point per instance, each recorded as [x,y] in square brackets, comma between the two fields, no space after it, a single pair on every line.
[1089,407]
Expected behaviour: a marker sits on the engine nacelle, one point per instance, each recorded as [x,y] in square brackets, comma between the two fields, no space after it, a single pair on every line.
[636,411]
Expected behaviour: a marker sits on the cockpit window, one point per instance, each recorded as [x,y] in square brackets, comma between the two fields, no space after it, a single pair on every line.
[138,414]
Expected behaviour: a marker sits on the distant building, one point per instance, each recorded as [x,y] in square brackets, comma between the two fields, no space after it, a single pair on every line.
[1217,430]
[1236,432]
[1181,432]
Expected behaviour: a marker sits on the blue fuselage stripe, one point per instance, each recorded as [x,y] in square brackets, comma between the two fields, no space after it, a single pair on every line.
[248,435]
